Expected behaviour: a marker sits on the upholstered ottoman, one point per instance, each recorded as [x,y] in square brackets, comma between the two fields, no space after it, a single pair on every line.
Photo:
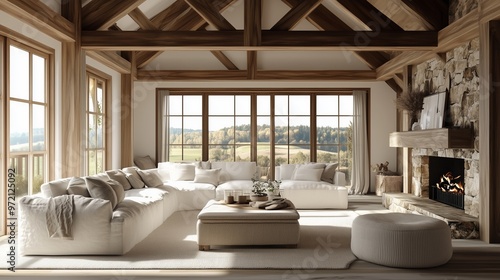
[240,224]
[401,240]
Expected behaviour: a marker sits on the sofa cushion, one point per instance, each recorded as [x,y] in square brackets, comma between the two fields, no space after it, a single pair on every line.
[145,162]
[55,188]
[329,172]
[119,176]
[150,177]
[182,172]
[100,189]
[210,176]
[77,186]
[118,188]
[307,173]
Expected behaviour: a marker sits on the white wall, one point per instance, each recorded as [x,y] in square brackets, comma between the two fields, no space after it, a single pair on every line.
[115,111]
[382,119]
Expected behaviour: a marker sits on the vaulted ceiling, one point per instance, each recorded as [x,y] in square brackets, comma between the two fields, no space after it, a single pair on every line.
[251,39]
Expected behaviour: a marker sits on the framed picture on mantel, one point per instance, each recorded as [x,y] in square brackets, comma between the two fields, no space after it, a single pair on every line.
[433,112]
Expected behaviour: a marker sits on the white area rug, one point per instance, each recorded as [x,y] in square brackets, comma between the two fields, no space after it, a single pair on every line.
[324,244]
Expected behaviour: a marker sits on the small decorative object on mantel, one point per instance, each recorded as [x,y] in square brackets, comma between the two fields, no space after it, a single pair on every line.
[412,102]
[382,169]
[265,190]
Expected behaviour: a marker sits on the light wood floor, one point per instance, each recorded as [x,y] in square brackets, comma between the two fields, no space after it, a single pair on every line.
[472,259]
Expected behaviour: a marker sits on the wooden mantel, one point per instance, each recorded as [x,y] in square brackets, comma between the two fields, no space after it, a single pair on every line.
[441,138]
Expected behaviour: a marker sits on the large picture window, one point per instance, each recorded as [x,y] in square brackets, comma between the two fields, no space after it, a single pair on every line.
[269,128]
[28,116]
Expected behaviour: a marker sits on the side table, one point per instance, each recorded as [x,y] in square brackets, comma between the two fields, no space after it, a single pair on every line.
[388,183]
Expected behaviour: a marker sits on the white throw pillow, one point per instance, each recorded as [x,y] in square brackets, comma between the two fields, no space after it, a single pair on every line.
[77,186]
[241,170]
[164,170]
[286,171]
[119,176]
[329,173]
[210,176]
[182,172]
[150,177]
[100,189]
[303,173]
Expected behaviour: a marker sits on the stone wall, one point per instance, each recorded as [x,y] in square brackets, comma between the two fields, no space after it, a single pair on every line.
[457,73]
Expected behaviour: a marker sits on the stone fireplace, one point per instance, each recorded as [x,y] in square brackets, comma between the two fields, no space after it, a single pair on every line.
[457,74]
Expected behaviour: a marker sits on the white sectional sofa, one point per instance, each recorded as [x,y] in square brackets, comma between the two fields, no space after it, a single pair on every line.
[113,211]
[313,185]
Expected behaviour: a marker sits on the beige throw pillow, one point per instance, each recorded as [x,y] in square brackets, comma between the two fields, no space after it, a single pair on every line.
[151,178]
[100,189]
[118,188]
[134,182]
[77,186]
[145,162]
[329,172]
[119,176]
[209,176]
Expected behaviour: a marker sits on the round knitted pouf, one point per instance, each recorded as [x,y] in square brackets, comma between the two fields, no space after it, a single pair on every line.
[401,240]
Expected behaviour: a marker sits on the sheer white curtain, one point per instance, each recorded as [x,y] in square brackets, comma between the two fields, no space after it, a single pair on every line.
[360,177]
[162,125]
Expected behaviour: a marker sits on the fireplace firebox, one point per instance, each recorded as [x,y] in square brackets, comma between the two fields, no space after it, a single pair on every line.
[446,181]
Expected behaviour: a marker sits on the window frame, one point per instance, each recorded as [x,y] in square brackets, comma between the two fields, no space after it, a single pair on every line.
[33,48]
[253,92]
[107,118]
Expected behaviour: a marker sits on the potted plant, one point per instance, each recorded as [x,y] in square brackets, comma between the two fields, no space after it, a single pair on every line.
[263,190]
[412,102]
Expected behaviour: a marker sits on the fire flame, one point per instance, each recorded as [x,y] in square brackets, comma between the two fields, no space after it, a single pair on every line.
[450,184]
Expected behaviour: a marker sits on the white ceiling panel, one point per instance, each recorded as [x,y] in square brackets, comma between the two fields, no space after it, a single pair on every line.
[309,60]
[186,60]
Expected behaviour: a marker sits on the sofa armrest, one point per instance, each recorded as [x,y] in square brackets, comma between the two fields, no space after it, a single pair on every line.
[91,228]
[339,179]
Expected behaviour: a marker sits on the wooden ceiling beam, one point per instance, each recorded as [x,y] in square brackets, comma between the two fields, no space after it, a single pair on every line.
[252,34]
[320,75]
[140,18]
[112,60]
[210,14]
[175,18]
[100,15]
[401,14]
[321,17]
[170,15]
[295,15]
[452,36]
[433,13]
[369,15]
[271,40]
[224,60]
[40,16]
